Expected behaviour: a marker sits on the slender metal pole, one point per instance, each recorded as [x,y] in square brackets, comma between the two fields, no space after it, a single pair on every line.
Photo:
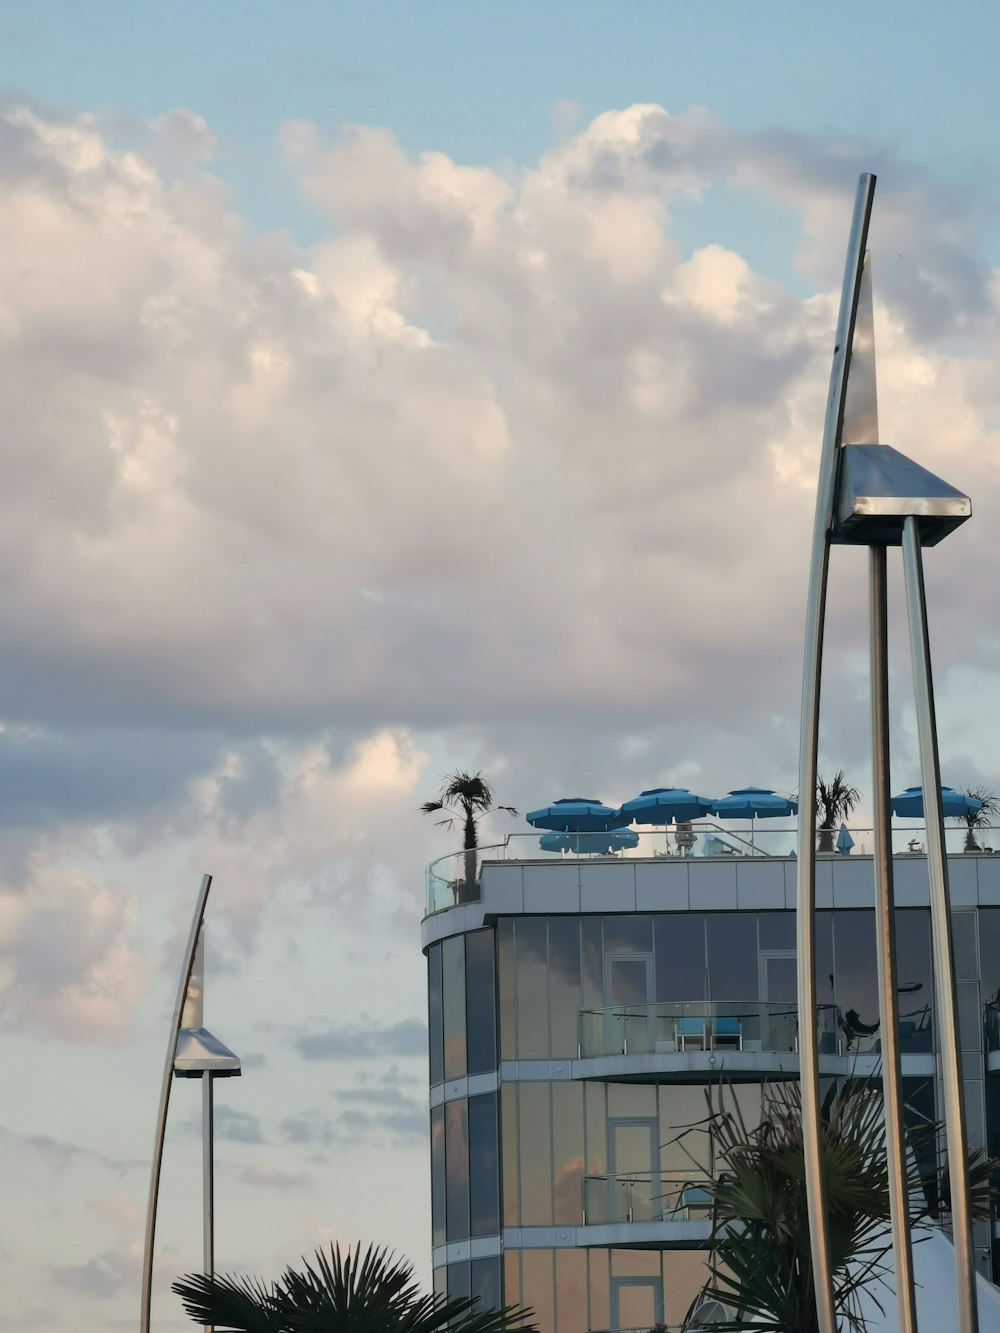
[208,1173]
[161,1118]
[808,750]
[885,936]
[944,962]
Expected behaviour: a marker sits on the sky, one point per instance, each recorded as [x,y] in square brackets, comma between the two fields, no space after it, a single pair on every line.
[390,389]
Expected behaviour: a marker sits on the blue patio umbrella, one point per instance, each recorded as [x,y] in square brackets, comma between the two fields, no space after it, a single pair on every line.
[909,804]
[844,841]
[754,803]
[612,840]
[663,805]
[577,814]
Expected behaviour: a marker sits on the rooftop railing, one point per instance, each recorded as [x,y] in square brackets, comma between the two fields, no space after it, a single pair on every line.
[646,1196]
[454,878]
[738,1025]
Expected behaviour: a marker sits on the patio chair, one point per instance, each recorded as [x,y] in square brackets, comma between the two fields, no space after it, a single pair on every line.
[695,1197]
[727,1032]
[690,1034]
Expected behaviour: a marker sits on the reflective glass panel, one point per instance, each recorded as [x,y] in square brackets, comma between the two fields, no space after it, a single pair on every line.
[915,978]
[485,1282]
[456,1151]
[681,972]
[441,1281]
[453,991]
[512,1277]
[628,934]
[505,989]
[458,1281]
[509,1154]
[532,988]
[435,1028]
[480,1002]
[484,1185]
[535,1139]
[776,930]
[598,1265]
[684,1274]
[564,985]
[636,1303]
[538,1287]
[856,970]
[438,1231]
[595,1107]
[989,952]
[571,1291]
[732,955]
[592,962]
[970,1023]
[963,935]
[568,1164]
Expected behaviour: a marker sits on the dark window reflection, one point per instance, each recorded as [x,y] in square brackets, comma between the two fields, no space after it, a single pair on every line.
[564,985]
[592,962]
[856,978]
[918,1116]
[480,1003]
[456,1144]
[732,955]
[963,935]
[453,992]
[680,957]
[484,1188]
[776,930]
[914,978]
[532,988]
[459,1281]
[628,934]
[505,988]
[989,952]
[438,1228]
[485,1282]
[435,1027]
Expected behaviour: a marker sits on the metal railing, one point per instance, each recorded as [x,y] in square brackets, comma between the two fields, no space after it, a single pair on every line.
[738,1025]
[646,1196]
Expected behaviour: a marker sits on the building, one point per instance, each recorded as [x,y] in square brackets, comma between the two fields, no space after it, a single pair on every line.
[579,1008]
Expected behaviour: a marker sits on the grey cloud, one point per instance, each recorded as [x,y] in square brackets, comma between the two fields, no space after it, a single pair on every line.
[366,1041]
[101,1277]
[237,1126]
[63,1152]
[272,1179]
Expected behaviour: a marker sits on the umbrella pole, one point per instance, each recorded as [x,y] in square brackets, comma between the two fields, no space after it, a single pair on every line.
[941,938]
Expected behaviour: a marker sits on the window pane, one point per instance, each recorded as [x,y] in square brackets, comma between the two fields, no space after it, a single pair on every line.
[970,1023]
[598,1263]
[684,1275]
[453,991]
[732,955]
[567,1113]
[856,975]
[535,1138]
[571,1291]
[915,978]
[963,935]
[532,989]
[564,985]
[509,1156]
[592,957]
[537,1285]
[458,1281]
[776,930]
[480,1003]
[512,1277]
[456,1145]
[505,968]
[484,1188]
[438,1231]
[989,951]
[680,957]
[628,934]
[595,1103]
[485,1281]
[435,1029]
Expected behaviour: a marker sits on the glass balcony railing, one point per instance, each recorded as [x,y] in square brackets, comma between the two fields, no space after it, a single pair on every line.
[679,1196]
[752,1025]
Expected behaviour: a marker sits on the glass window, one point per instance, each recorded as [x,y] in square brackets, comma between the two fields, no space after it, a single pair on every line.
[538,1287]
[485,1282]
[918,1115]
[914,978]
[628,934]
[776,930]
[989,952]
[592,962]
[571,1291]
[509,1155]
[856,970]
[684,1274]
[480,1007]
[438,1177]
[680,957]
[458,1281]
[564,985]
[598,1269]
[512,1277]
[970,1022]
[440,1282]
[453,992]
[532,988]
[508,1008]
[484,1186]
[435,1029]
[456,1151]
[732,955]
[535,1139]
[825,990]
[595,1104]
[567,1115]
[963,938]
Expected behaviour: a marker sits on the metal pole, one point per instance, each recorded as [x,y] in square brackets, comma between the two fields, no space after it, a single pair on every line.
[944,963]
[208,1173]
[161,1118]
[808,748]
[885,935]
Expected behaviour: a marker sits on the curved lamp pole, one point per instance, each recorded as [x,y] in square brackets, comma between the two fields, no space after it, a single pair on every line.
[161,1119]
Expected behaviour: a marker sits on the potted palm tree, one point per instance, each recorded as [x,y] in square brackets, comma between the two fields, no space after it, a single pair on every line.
[350,1292]
[834,800]
[977,819]
[466,797]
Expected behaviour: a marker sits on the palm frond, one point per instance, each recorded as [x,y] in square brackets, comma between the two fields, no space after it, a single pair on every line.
[244,1304]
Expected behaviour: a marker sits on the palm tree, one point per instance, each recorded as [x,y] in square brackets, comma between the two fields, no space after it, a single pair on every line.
[465,796]
[981,818]
[835,799]
[349,1292]
[762,1263]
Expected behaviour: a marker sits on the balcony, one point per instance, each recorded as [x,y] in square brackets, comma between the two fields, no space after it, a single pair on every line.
[646,1210]
[692,1040]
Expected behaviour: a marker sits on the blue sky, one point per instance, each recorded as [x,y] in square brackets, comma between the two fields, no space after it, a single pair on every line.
[482,434]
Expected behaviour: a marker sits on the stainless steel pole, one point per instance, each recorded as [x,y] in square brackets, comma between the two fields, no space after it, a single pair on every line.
[208,1172]
[944,963]
[161,1118]
[808,751]
[885,935]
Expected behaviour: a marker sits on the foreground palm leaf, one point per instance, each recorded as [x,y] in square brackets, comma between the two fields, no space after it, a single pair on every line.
[340,1292]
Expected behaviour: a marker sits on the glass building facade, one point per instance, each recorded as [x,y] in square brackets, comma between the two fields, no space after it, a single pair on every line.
[571,1054]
